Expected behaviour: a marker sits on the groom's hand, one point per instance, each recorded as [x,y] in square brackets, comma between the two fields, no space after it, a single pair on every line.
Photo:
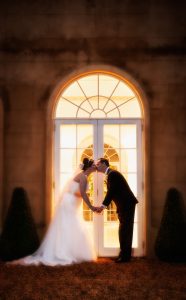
[99,209]
[95,209]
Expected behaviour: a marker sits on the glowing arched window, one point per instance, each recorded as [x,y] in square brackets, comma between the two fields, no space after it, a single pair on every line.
[98,95]
[109,153]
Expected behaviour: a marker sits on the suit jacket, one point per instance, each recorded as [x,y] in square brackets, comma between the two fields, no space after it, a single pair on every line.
[119,191]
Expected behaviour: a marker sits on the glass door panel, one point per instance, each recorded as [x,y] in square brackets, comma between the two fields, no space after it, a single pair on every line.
[120,147]
[75,143]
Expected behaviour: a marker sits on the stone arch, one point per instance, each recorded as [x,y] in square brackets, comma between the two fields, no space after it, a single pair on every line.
[130,80]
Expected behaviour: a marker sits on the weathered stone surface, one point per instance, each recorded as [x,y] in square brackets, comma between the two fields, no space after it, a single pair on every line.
[24,121]
[164,169]
[1,160]
[168,96]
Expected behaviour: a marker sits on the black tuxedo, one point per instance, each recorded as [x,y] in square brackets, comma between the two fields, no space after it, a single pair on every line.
[119,191]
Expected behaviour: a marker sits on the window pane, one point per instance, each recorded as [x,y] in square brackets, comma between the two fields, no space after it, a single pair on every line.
[86,106]
[89,84]
[102,102]
[82,114]
[128,160]
[68,136]
[111,135]
[128,136]
[113,114]
[130,110]
[82,153]
[94,102]
[107,85]
[123,90]
[132,181]
[67,160]
[73,90]
[109,106]
[65,109]
[84,136]
[111,239]
[98,114]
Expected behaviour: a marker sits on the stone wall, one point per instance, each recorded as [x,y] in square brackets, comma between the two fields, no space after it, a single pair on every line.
[44,41]
[1,161]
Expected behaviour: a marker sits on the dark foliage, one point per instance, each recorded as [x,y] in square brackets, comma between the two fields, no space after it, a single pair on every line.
[170,244]
[19,236]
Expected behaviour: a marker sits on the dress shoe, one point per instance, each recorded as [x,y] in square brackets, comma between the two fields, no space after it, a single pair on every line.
[121,259]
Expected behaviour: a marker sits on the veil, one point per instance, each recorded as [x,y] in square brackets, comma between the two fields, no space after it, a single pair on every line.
[65,188]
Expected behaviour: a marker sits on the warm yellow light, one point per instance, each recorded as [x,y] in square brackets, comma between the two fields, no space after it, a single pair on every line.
[98,95]
[128,136]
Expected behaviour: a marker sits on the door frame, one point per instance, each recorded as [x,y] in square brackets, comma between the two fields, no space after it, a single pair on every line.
[98,184]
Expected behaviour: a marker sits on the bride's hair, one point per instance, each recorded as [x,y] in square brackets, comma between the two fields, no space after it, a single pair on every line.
[87,163]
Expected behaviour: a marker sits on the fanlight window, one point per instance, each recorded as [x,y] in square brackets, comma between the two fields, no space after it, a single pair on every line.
[109,153]
[98,96]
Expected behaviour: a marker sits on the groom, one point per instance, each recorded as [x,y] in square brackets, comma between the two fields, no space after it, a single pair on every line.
[119,191]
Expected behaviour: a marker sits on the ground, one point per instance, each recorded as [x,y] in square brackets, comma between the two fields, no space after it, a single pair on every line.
[139,279]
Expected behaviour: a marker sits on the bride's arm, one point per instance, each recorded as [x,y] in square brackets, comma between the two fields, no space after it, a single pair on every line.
[83,187]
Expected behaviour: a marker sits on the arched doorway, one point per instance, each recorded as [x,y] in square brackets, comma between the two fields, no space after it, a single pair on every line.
[99,114]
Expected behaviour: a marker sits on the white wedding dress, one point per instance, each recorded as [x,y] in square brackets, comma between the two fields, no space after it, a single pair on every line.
[67,240]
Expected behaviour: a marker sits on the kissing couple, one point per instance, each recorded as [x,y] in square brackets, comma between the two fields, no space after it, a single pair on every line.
[67,239]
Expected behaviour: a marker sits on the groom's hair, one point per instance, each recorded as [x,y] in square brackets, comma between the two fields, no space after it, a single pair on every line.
[104,161]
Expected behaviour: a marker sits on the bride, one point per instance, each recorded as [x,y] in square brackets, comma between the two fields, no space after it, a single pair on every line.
[67,240]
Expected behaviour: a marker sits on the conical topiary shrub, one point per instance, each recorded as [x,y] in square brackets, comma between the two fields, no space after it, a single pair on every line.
[170,244]
[19,236]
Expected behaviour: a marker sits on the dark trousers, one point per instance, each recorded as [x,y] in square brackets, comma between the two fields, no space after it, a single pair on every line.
[126,219]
